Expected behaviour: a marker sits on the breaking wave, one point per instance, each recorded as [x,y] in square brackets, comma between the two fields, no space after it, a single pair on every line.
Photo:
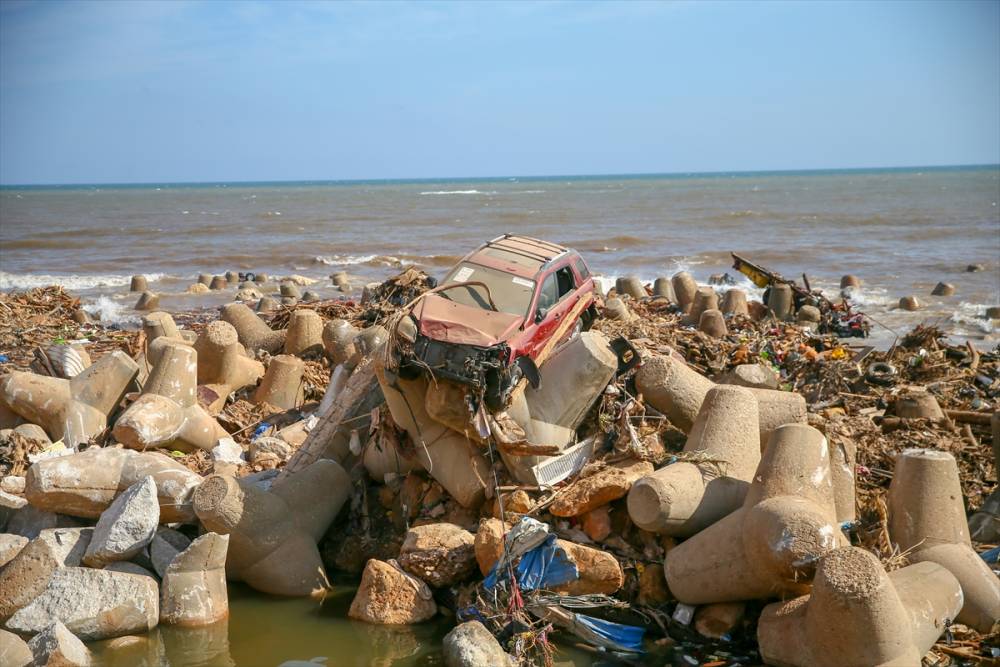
[352,260]
[109,311]
[12,281]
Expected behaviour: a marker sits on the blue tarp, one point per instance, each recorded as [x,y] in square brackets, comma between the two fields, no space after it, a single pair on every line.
[628,637]
[545,566]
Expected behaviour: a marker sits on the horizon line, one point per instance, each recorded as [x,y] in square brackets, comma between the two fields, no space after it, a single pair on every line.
[437,179]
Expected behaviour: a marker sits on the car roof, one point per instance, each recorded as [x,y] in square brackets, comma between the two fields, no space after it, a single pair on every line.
[519,255]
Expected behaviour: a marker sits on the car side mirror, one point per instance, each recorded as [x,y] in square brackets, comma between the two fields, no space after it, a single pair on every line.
[432,282]
[540,315]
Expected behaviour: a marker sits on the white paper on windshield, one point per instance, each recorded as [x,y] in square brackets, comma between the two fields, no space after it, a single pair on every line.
[522,282]
[463,274]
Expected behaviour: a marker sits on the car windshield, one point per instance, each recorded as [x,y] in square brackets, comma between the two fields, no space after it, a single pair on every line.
[511,294]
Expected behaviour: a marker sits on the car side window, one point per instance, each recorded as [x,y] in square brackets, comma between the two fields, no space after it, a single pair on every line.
[549,294]
[567,284]
[581,268]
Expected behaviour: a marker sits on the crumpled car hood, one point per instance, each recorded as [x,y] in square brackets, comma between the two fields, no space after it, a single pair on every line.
[450,322]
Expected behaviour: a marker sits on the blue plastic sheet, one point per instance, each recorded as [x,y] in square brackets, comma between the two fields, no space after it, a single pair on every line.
[628,637]
[545,566]
[991,556]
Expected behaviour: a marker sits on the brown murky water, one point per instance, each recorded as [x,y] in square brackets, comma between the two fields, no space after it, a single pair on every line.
[266,631]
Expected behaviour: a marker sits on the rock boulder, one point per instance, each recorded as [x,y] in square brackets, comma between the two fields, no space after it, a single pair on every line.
[387,595]
[442,554]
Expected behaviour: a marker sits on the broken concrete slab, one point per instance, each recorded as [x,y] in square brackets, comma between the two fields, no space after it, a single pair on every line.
[273,534]
[70,410]
[857,614]
[442,554]
[94,604]
[927,522]
[29,521]
[388,595]
[126,527]
[194,589]
[770,546]
[56,646]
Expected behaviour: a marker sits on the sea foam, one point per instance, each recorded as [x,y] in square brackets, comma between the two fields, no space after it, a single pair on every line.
[12,281]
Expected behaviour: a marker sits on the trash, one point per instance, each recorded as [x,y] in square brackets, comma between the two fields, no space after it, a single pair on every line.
[684,613]
[594,631]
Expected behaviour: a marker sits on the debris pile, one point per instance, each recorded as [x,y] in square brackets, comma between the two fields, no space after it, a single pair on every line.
[692,475]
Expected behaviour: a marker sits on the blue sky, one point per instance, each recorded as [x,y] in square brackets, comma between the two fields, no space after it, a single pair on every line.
[207,91]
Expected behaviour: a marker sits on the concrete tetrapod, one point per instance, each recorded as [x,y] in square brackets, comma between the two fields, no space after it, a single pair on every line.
[662,287]
[85,484]
[282,384]
[927,521]
[338,340]
[677,391]
[222,363]
[685,497]
[734,302]
[859,615]
[253,333]
[448,456]
[704,299]
[769,547]
[305,333]
[194,589]
[780,301]
[167,413]
[273,534]
[684,288]
[70,410]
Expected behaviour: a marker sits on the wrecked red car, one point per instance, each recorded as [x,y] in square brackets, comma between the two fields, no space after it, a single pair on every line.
[496,310]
